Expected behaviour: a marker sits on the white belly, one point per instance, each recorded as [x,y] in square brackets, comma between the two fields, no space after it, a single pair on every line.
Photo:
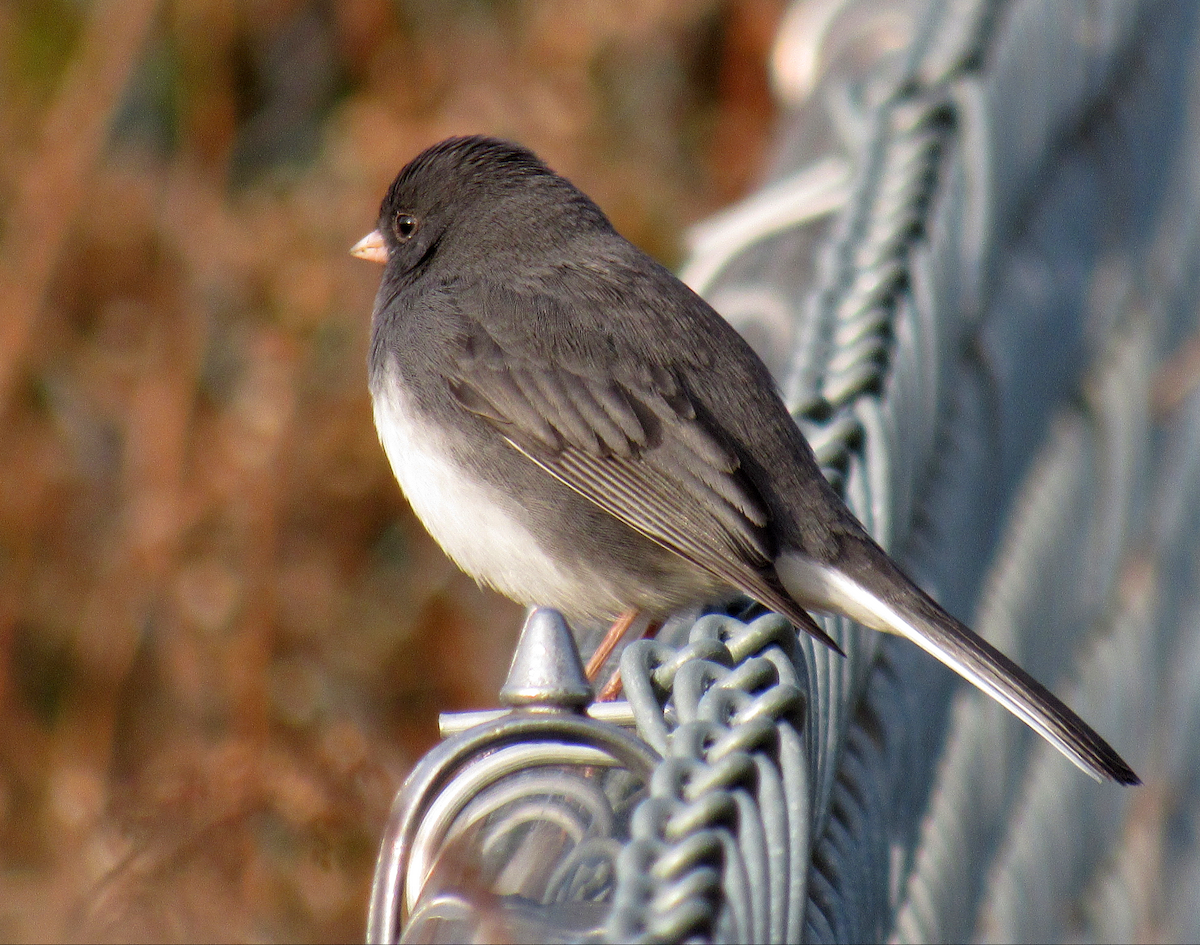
[474,523]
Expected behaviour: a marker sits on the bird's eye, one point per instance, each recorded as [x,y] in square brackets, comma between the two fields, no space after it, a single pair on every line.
[406,226]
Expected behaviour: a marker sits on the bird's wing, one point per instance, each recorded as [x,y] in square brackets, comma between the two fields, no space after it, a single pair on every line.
[638,448]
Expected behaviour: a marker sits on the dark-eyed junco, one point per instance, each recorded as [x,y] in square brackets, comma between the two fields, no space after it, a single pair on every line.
[578,429]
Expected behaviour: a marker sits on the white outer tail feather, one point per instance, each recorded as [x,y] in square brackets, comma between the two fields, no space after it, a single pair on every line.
[818,586]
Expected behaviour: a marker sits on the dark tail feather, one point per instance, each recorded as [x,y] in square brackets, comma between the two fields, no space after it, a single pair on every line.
[1007,682]
[894,604]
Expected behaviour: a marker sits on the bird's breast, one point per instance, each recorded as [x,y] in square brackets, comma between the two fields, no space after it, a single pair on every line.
[482,527]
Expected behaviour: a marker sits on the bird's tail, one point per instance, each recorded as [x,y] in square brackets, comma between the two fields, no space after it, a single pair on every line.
[884,599]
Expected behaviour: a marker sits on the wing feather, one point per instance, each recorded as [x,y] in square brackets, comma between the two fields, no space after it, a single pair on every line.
[639,449]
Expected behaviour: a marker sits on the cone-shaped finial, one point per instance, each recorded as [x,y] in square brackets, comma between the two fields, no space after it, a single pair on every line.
[546,669]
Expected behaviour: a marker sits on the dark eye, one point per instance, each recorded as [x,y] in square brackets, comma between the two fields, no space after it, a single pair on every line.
[406,226]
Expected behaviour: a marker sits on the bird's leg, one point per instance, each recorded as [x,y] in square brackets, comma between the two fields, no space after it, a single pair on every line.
[611,689]
[616,633]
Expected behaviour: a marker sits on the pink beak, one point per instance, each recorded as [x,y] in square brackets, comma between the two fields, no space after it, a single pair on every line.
[371,247]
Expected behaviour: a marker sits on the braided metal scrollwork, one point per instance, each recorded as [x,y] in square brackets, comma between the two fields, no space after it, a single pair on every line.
[719,848]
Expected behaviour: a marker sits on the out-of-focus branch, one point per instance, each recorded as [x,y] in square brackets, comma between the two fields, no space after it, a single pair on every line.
[53,186]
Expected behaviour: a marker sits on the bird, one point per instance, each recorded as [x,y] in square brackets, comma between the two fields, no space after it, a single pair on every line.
[578,429]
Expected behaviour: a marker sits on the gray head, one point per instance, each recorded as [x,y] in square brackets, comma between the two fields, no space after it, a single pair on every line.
[481,200]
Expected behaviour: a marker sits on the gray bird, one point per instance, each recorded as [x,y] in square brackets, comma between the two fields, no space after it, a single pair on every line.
[578,429]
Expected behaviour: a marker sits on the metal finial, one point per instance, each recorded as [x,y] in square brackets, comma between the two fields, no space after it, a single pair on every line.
[546,669]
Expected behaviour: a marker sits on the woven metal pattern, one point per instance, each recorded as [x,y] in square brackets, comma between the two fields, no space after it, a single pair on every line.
[719,848]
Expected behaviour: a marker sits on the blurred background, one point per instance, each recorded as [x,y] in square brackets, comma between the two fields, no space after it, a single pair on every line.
[223,637]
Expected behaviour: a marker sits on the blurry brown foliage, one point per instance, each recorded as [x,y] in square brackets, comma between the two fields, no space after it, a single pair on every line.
[223,637]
